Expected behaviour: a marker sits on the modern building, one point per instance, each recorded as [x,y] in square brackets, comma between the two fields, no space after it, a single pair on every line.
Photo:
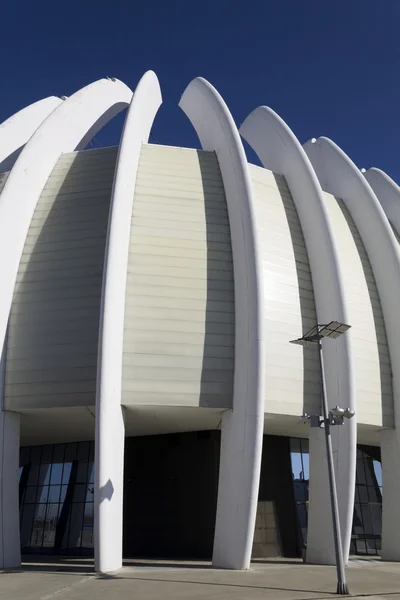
[150,396]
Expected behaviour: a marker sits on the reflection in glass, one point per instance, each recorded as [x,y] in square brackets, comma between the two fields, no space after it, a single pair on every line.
[66,472]
[56,510]
[50,525]
[42,493]
[367,519]
[54,493]
[300,471]
[38,525]
[30,494]
[87,532]
[56,473]
[378,472]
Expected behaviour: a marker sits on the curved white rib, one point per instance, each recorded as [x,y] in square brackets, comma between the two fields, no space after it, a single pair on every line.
[388,193]
[16,131]
[109,438]
[242,427]
[280,151]
[339,176]
[65,129]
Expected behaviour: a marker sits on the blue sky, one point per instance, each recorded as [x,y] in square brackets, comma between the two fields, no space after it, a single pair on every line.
[328,67]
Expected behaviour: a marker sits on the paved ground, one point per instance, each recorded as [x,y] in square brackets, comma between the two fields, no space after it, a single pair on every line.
[71,579]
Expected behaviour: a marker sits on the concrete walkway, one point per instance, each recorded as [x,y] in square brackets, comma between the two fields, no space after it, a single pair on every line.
[62,579]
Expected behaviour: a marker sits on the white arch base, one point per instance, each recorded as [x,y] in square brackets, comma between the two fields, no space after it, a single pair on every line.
[10,552]
[242,427]
[109,444]
[281,152]
[320,543]
[390,455]
[109,487]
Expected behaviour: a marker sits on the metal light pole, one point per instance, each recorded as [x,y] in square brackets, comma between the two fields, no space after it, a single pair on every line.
[330,417]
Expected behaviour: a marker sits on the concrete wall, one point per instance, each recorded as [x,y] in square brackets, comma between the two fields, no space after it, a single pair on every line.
[53,326]
[179,314]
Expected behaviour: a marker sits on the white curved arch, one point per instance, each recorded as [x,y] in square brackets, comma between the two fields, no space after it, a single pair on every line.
[281,152]
[17,129]
[65,129]
[388,193]
[71,125]
[242,427]
[339,176]
[109,437]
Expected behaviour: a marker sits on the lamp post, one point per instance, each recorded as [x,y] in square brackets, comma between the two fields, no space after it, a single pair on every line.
[329,418]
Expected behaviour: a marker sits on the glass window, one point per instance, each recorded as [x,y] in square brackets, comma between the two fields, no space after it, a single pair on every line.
[66,472]
[301,473]
[87,531]
[30,494]
[378,472]
[38,525]
[59,481]
[54,493]
[56,473]
[50,526]
[367,520]
[42,493]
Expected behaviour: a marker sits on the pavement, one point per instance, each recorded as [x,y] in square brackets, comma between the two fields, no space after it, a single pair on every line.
[49,578]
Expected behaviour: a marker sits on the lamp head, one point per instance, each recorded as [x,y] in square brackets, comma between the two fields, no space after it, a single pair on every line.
[337,411]
[348,413]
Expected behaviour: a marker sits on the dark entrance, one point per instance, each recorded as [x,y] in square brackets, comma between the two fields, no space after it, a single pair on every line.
[170,495]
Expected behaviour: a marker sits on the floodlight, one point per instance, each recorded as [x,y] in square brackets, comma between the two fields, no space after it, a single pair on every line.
[348,413]
[337,411]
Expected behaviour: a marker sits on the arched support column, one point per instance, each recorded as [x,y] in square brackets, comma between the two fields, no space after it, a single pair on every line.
[62,131]
[10,549]
[339,176]
[388,193]
[68,126]
[280,151]
[110,431]
[242,427]
[16,130]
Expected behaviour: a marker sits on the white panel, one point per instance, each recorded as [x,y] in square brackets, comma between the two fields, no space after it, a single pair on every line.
[68,127]
[373,384]
[53,326]
[180,297]
[109,443]
[289,308]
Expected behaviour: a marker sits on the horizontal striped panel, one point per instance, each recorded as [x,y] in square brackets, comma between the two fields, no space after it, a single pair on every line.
[179,314]
[373,377]
[54,320]
[293,382]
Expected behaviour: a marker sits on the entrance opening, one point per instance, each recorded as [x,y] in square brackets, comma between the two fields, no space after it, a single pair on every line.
[170,495]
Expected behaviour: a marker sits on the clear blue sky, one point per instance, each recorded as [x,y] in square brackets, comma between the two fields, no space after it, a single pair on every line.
[328,67]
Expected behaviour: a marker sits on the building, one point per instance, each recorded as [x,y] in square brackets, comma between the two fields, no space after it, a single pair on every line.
[150,397]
